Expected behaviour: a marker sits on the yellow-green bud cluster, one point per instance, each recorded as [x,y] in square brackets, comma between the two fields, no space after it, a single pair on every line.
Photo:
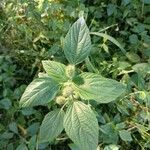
[142,95]
[70,71]
[68,91]
[60,100]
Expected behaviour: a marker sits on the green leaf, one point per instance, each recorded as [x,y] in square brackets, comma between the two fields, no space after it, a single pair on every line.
[133,39]
[81,126]
[111,8]
[125,135]
[39,92]
[32,143]
[146,1]
[55,70]
[133,57]
[108,134]
[93,86]
[13,127]
[5,103]
[144,68]
[22,147]
[52,126]
[73,147]
[77,43]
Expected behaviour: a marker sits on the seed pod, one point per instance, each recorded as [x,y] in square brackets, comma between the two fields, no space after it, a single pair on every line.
[70,71]
[60,100]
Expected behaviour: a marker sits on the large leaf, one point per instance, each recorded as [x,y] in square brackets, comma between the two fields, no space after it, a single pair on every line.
[77,43]
[55,70]
[81,126]
[52,126]
[39,92]
[93,86]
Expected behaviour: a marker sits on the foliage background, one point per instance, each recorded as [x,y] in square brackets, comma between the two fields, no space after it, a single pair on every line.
[33,30]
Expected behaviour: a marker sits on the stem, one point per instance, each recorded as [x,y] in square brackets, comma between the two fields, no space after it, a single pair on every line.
[62,139]
[102,30]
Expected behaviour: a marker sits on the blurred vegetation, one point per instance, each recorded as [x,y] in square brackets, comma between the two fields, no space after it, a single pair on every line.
[33,30]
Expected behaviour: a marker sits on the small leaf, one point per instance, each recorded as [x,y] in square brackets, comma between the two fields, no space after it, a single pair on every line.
[111,8]
[81,126]
[144,68]
[133,39]
[13,127]
[125,135]
[52,126]
[32,143]
[33,128]
[39,92]
[7,135]
[55,70]
[133,57]
[5,103]
[77,43]
[22,147]
[98,88]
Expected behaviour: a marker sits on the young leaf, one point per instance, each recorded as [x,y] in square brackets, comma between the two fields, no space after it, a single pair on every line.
[52,126]
[55,70]
[81,126]
[77,43]
[98,88]
[39,92]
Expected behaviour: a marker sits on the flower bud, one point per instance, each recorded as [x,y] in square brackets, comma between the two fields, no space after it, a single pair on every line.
[60,100]
[70,71]
[67,91]
[142,95]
